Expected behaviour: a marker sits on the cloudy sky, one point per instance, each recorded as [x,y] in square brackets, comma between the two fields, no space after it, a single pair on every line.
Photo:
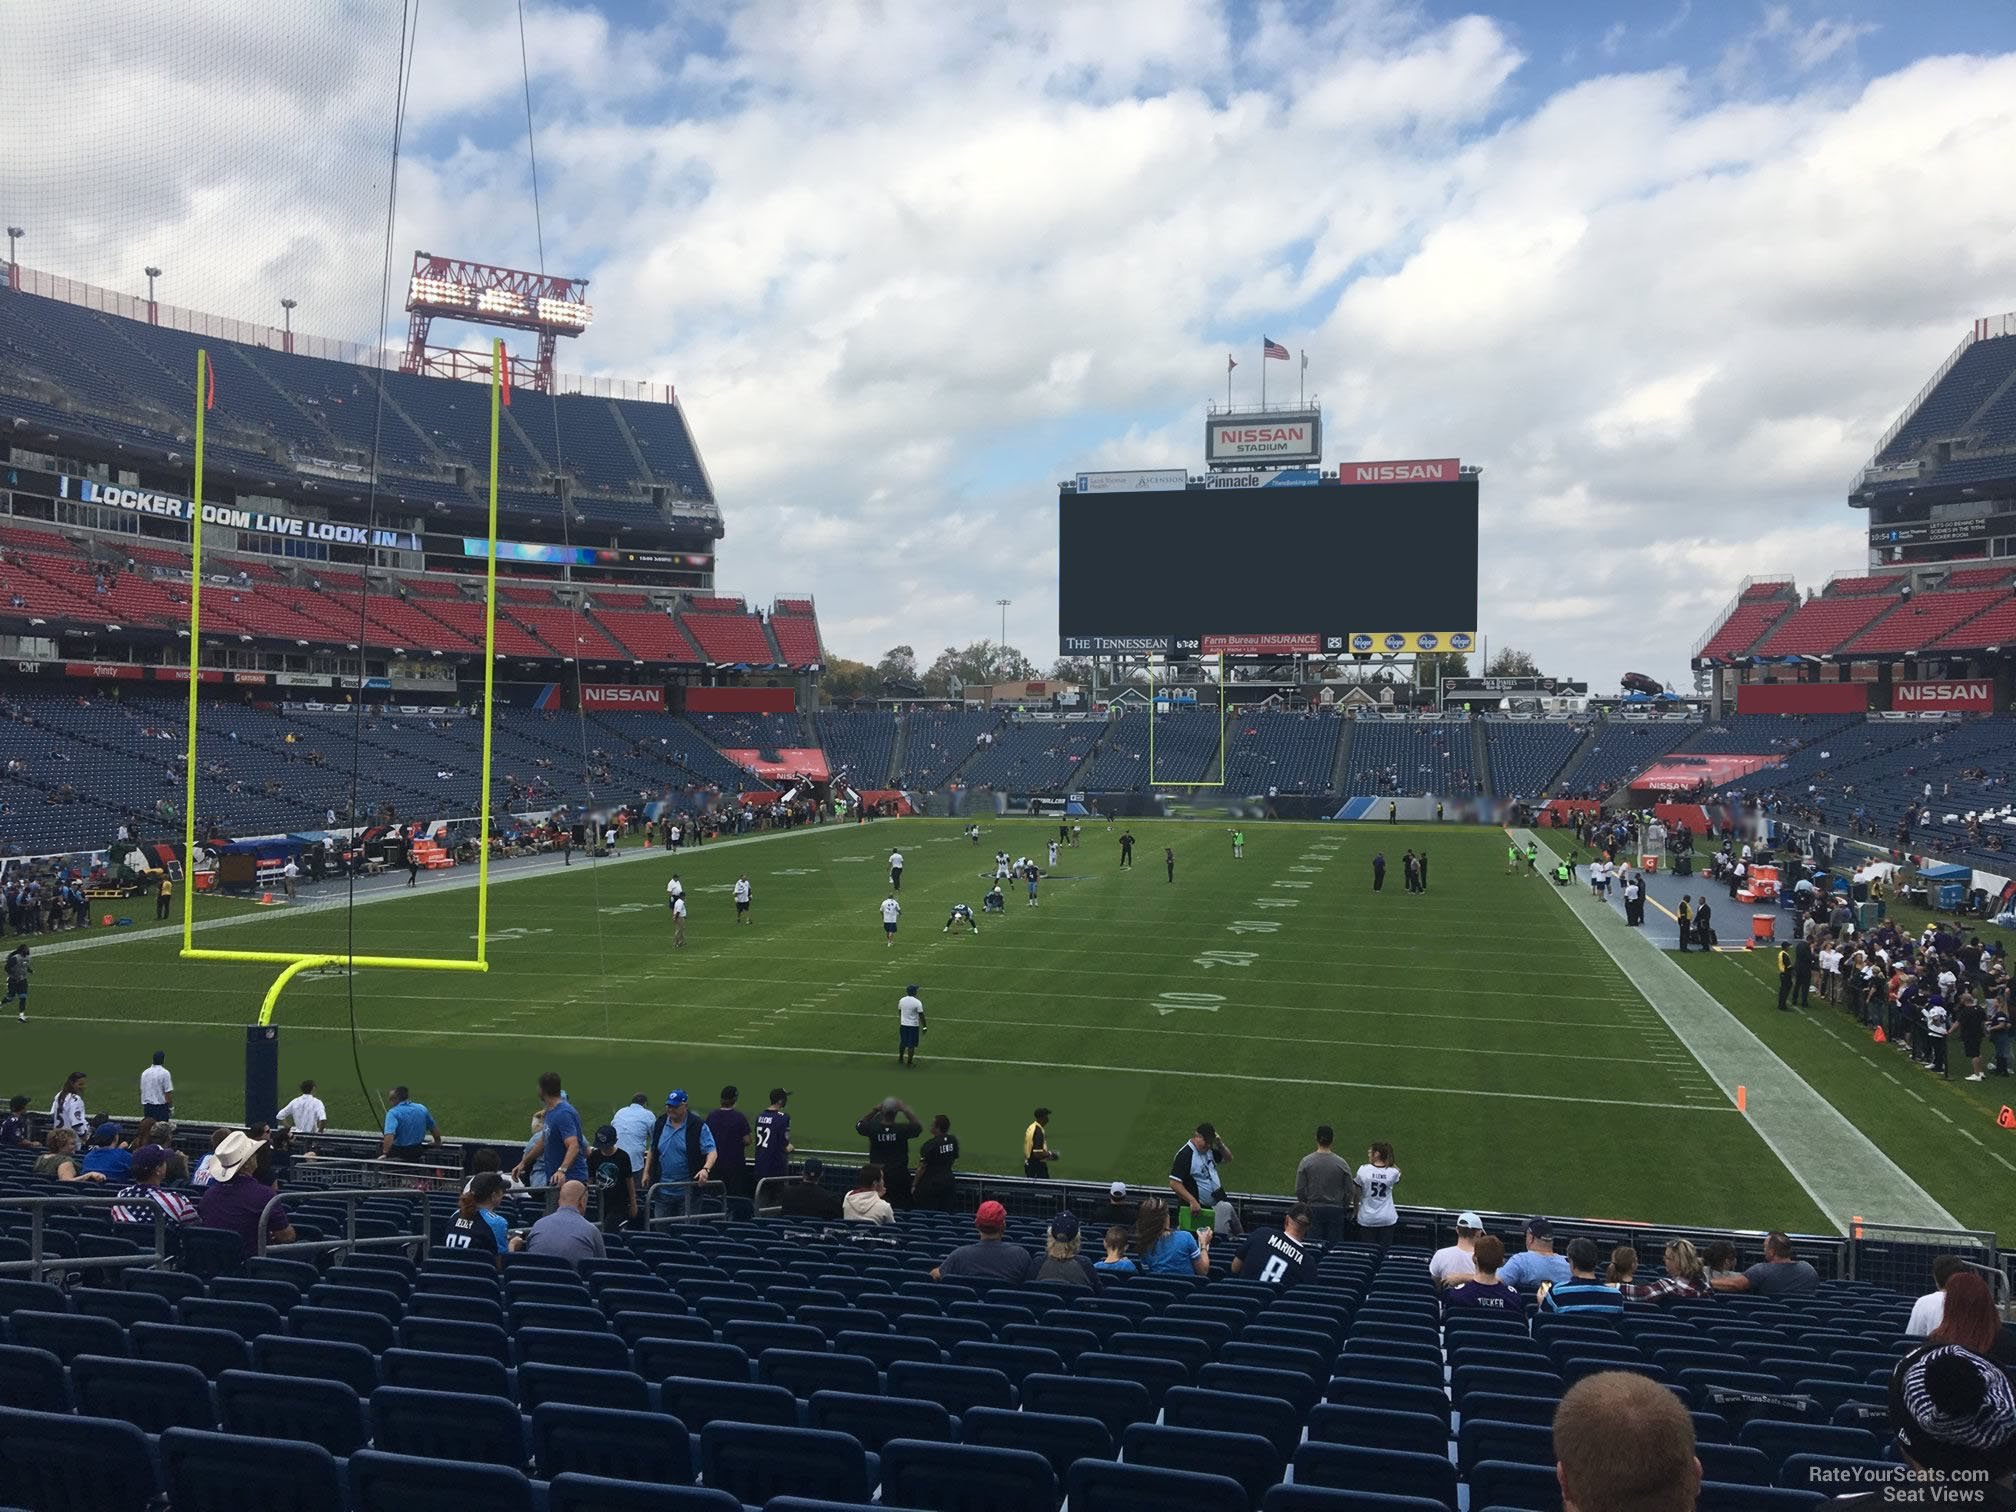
[1663,270]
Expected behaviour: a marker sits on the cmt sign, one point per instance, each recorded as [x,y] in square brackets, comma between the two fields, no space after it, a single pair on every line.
[1972,696]
[632,696]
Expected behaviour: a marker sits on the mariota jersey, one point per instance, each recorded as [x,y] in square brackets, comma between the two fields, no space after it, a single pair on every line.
[1273,1257]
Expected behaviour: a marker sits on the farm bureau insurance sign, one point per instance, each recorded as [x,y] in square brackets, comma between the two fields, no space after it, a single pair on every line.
[172,507]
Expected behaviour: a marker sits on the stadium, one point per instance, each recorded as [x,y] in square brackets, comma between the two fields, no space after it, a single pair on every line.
[408,825]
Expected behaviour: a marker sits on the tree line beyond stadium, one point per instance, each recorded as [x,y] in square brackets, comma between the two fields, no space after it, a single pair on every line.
[1324,568]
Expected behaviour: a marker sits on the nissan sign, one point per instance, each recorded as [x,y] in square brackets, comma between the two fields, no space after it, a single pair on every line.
[1268,437]
[633,696]
[1442,470]
[1972,696]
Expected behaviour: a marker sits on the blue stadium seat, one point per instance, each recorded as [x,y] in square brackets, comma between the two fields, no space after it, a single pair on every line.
[282,1354]
[1059,1439]
[802,1372]
[424,1370]
[447,1425]
[17,1295]
[32,1379]
[1779,1441]
[1114,1403]
[1502,1407]
[325,1413]
[1379,1395]
[1720,1496]
[1329,1499]
[616,1445]
[696,1402]
[213,1472]
[1248,1459]
[1389,1472]
[1734,1463]
[344,1325]
[1416,1432]
[1481,1439]
[654,1359]
[953,1387]
[248,1320]
[595,1493]
[966,1478]
[886,1349]
[66,1335]
[152,1395]
[390,1482]
[1397,1372]
[1502,1483]
[211,1350]
[1107,1486]
[563,1346]
[618,1390]
[755,1462]
[874,1420]
[1308,1362]
[123,1307]
[58,1463]
[1233,1412]
[1831,1475]
[633,1328]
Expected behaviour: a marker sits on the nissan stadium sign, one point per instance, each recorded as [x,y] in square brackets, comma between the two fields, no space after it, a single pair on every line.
[1271,437]
[648,696]
[1974,695]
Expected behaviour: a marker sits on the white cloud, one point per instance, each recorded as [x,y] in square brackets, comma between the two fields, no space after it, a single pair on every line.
[908,267]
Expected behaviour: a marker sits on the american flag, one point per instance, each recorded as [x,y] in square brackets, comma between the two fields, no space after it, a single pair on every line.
[1273,350]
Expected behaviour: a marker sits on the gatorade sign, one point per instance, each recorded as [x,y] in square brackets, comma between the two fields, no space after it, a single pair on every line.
[1974,695]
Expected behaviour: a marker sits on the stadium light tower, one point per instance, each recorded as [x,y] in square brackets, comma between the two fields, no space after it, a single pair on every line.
[447,287]
[287,307]
[152,273]
[1003,642]
[14,234]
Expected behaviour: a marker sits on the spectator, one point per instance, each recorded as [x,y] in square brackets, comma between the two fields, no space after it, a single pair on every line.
[107,1157]
[157,1088]
[477,1227]
[1971,1321]
[1582,1293]
[565,1233]
[633,1122]
[59,1161]
[14,1127]
[614,1180]
[991,1257]
[1537,1262]
[935,1159]
[682,1152]
[1193,1177]
[889,1127]
[1685,1277]
[1061,1261]
[866,1203]
[1780,1274]
[145,1195]
[1484,1288]
[1323,1184]
[1036,1151]
[1623,1265]
[1116,1262]
[408,1127]
[236,1199]
[1453,1260]
[1718,1260]
[305,1114]
[207,1166]
[1624,1443]
[732,1137]
[1116,1211]
[1955,1425]
[559,1144]
[1378,1216]
[67,1107]
[806,1197]
[1930,1310]
[1277,1256]
[1169,1252]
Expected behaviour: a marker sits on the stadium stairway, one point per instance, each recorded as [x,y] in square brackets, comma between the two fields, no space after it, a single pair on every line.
[899,751]
[630,445]
[1480,759]
[1582,749]
[1342,765]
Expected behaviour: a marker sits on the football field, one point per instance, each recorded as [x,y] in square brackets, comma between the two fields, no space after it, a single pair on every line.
[1477,1026]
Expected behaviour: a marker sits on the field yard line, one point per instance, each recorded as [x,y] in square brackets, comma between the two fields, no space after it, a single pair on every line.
[953,1060]
[534,866]
[1839,1166]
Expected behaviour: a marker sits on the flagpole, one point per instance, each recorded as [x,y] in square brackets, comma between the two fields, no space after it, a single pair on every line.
[1229,365]
[1263,376]
[1301,381]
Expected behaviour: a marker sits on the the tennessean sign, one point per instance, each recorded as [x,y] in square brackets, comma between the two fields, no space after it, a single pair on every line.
[168,506]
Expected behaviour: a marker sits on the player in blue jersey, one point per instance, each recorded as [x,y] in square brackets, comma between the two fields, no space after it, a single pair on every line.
[962,913]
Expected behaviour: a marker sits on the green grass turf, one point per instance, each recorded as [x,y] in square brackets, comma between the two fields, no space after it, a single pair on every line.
[1477,1027]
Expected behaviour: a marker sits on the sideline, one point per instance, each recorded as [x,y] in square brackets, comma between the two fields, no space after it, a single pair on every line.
[384,889]
[1845,1173]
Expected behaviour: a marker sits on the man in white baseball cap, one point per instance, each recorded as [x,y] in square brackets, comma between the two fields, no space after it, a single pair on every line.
[1455,1259]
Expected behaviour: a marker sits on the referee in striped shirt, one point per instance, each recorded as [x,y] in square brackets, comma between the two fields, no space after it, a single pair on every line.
[1582,1292]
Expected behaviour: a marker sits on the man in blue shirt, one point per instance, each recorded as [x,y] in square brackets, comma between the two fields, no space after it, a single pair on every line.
[633,1123]
[681,1151]
[1582,1292]
[408,1127]
[1537,1262]
[560,1146]
[108,1158]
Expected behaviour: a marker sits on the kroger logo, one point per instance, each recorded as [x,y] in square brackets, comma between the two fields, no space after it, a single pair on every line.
[1396,643]
[1459,642]
[1429,642]
[1361,643]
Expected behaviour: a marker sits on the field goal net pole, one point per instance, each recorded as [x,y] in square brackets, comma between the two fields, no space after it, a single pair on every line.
[262,1045]
[1223,716]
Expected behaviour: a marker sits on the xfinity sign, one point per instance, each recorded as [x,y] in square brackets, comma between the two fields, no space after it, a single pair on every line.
[1264,438]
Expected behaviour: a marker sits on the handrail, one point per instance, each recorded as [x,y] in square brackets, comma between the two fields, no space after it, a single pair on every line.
[692,1187]
[350,1243]
[37,1261]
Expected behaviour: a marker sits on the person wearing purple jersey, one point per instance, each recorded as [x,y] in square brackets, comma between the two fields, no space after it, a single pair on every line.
[772,1154]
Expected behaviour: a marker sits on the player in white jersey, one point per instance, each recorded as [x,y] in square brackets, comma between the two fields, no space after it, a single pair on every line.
[1001,865]
[742,899]
[674,891]
[973,833]
[909,1026]
[1053,855]
[891,912]
[961,912]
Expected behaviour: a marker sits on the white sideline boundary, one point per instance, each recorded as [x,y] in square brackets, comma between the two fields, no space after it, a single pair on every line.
[1845,1172]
